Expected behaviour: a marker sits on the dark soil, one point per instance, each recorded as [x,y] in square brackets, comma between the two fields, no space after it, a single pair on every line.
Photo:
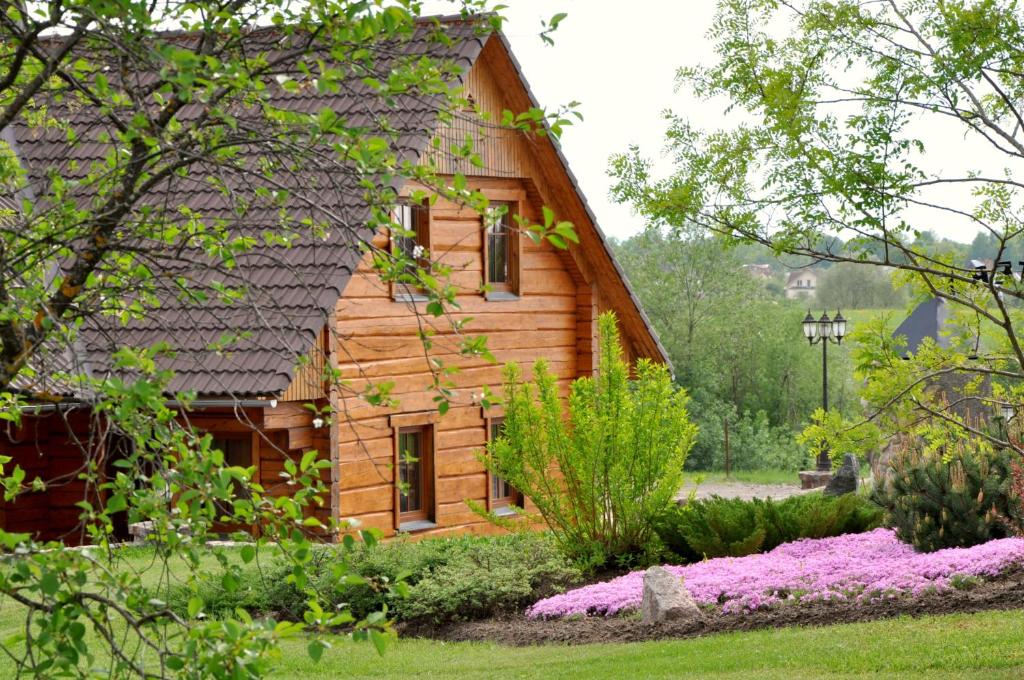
[1003,592]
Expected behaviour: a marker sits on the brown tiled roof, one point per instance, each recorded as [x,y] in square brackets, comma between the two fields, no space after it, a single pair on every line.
[289,290]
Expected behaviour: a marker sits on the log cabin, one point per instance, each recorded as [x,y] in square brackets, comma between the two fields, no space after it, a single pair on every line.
[531,300]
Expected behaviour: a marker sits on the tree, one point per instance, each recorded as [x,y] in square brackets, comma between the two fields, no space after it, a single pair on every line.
[846,109]
[737,349]
[153,99]
[849,286]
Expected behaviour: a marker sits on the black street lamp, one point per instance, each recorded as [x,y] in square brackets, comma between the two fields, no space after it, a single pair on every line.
[824,330]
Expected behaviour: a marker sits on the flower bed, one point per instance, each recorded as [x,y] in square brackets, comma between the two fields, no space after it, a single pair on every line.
[854,566]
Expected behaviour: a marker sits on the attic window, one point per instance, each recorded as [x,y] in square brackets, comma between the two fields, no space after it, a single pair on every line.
[412,240]
[501,251]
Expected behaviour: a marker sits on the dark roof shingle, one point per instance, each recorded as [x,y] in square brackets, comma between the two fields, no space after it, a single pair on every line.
[289,291]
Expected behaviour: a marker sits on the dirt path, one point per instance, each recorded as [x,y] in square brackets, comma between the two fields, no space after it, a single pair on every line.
[741,490]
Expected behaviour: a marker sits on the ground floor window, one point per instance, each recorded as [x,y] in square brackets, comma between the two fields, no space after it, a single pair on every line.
[501,494]
[415,474]
[237,450]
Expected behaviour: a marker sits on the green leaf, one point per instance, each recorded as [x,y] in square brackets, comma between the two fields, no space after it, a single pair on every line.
[315,649]
[116,503]
[248,553]
[195,605]
[49,584]
[379,640]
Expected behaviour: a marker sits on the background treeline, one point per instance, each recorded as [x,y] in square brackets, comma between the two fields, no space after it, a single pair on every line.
[737,345]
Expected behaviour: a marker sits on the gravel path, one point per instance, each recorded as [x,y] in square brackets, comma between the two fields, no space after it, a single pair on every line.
[741,490]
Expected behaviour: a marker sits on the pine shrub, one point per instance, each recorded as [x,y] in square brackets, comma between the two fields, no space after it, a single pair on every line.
[966,500]
[733,527]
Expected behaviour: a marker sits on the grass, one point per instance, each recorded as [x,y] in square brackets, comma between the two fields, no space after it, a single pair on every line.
[745,477]
[983,645]
[768,477]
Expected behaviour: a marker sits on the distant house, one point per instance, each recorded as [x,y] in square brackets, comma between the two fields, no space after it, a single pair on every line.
[759,271]
[801,283]
[931,320]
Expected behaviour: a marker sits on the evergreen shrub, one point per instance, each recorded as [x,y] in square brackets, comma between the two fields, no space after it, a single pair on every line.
[733,527]
[965,500]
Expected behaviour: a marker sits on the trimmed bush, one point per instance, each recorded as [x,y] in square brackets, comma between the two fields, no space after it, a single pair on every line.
[433,580]
[935,504]
[733,527]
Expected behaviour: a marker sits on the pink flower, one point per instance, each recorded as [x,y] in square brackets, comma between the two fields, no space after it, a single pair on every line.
[857,567]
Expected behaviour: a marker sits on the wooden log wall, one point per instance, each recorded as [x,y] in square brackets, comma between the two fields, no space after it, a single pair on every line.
[52,447]
[378,340]
[278,433]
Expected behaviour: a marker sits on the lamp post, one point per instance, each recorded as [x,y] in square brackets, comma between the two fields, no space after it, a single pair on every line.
[1006,414]
[824,331]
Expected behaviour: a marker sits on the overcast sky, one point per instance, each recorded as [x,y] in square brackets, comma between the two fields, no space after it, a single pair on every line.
[618,59]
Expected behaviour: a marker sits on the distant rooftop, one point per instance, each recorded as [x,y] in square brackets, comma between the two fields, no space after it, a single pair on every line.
[926,321]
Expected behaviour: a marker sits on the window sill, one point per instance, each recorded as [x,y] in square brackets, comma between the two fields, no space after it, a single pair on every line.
[416,525]
[409,297]
[500,296]
[505,511]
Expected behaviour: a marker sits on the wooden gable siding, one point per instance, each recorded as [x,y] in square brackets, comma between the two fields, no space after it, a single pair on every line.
[378,341]
[502,152]
[308,379]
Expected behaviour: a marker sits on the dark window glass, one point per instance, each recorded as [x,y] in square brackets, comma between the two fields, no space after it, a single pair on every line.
[237,451]
[498,235]
[410,469]
[412,218]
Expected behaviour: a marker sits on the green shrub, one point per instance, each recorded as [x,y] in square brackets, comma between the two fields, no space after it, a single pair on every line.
[445,579]
[961,502]
[713,527]
[754,443]
[599,476]
[733,527]
[499,576]
[815,515]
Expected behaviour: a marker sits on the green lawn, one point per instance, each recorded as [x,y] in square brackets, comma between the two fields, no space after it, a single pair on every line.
[988,645]
[858,317]
[787,477]
[745,477]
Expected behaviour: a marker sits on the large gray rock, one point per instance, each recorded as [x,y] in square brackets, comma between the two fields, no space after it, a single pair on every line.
[667,599]
[845,479]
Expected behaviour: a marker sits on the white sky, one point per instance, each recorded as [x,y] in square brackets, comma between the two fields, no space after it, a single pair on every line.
[618,59]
